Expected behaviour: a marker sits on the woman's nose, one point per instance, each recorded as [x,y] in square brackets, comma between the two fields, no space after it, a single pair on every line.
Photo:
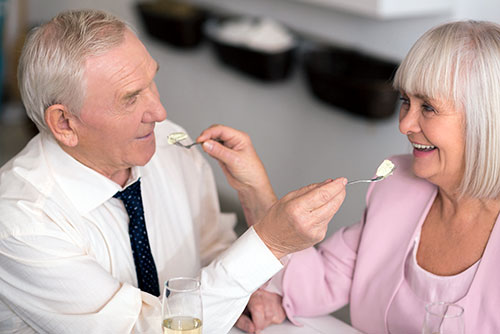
[408,121]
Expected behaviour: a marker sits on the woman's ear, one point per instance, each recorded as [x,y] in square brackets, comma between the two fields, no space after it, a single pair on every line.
[62,124]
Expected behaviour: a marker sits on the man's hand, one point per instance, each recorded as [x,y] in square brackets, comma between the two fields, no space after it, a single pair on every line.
[300,219]
[297,221]
[263,309]
[242,167]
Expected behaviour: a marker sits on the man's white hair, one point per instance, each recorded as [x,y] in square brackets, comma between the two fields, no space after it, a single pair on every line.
[52,63]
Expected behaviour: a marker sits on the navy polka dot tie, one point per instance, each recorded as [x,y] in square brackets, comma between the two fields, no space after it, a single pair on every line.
[145,268]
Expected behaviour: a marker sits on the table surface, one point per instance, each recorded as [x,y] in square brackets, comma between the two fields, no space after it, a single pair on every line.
[317,325]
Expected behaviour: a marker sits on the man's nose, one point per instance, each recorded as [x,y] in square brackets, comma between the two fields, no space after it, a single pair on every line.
[155,111]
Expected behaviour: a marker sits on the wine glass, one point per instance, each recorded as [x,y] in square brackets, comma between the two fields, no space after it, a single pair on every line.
[443,318]
[181,307]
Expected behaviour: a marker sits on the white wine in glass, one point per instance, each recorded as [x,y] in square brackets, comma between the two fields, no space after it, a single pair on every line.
[182,307]
[182,325]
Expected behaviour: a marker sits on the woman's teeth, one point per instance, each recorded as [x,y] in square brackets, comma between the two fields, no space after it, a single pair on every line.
[423,147]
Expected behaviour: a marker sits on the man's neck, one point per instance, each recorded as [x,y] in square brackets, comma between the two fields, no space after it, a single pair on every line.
[120,176]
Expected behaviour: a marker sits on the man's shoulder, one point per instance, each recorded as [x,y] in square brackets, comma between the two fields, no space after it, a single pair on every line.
[21,171]
[21,182]
[21,205]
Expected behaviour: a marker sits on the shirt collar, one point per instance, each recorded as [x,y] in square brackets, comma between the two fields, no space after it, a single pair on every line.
[85,188]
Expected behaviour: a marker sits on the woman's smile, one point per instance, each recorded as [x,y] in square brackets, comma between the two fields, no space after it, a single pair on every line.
[421,150]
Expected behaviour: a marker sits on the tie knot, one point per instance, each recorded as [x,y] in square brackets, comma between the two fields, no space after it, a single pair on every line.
[133,191]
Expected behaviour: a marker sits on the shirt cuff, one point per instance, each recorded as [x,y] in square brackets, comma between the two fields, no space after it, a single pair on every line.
[274,284]
[249,261]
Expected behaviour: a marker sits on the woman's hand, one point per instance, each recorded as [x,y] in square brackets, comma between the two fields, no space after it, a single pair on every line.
[242,167]
[263,309]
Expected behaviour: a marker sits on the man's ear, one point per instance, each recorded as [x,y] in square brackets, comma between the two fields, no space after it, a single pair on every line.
[62,124]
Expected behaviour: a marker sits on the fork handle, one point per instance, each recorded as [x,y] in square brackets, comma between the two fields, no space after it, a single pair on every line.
[192,144]
[358,181]
[197,143]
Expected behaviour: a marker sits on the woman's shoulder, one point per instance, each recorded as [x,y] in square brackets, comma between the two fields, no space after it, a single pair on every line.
[403,169]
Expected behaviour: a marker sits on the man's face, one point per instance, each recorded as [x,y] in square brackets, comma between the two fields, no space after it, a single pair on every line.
[121,107]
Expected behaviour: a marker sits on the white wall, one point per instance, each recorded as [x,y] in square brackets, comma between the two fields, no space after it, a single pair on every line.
[388,38]
[300,139]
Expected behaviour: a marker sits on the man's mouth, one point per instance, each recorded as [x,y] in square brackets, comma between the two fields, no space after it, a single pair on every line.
[423,148]
[146,136]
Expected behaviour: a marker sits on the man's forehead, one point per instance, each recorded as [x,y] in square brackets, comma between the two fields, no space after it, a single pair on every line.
[122,72]
[121,62]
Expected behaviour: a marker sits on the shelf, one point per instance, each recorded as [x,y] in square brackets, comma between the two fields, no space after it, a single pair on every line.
[388,9]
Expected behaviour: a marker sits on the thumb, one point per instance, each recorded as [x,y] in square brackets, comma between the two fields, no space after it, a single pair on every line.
[326,192]
[219,151]
[306,189]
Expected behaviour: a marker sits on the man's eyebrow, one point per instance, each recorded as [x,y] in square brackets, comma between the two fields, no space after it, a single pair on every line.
[132,94]
[138,91]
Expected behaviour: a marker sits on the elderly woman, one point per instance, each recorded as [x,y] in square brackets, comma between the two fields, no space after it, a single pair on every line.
[428,232]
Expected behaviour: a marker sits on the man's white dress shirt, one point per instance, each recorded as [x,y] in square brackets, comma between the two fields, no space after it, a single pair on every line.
[66,264]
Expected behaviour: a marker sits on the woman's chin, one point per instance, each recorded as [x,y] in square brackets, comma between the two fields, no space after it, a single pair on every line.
[421,170]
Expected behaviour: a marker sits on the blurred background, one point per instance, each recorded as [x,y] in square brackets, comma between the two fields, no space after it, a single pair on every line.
[314,96]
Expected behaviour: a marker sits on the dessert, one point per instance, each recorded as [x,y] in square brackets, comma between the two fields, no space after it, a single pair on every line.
[175,137]
[385,169]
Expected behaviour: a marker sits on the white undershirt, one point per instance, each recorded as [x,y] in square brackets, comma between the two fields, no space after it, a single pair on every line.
[421,287]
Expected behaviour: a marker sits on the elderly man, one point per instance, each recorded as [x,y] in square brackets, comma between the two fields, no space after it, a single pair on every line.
[98,209]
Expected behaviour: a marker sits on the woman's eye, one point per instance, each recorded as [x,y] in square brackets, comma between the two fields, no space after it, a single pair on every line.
[428,108]
[404,100]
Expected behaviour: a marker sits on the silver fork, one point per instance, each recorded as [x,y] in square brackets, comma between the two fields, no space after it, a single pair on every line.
[375,179]
[178,143]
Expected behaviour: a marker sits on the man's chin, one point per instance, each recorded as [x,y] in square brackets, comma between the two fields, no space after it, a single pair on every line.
[146,155]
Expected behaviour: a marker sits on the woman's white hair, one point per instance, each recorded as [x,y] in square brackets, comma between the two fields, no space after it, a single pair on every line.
[52,63]
[460,61]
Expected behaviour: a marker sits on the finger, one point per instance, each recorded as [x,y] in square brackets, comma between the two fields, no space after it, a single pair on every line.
[259,319]
[231,138]
[245,323]
[270,314]
[218,131]
[279,316]
[213,131]
[322,194]
[325,213]
[301,191]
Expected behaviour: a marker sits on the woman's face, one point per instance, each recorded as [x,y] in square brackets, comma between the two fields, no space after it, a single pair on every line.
[436,130]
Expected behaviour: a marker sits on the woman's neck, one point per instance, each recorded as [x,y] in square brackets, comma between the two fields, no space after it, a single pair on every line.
[461,209]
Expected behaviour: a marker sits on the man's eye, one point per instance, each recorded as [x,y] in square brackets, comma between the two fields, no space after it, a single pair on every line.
[132,100]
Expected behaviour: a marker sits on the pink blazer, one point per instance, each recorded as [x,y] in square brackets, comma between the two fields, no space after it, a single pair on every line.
[320,281]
